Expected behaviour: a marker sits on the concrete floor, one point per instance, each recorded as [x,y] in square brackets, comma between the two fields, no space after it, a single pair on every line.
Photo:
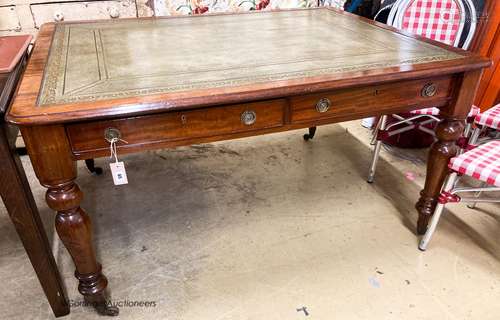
[258,228]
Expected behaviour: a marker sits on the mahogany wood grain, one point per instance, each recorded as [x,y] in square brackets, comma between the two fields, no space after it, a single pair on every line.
[93,147]
[15,190]
[176,126]
[56,170]
[448,132]
[363,99]
[187,127]
[21,207]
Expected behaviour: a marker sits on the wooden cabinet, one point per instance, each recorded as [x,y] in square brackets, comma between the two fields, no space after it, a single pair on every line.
[9,20]
[26,16]
[70,11]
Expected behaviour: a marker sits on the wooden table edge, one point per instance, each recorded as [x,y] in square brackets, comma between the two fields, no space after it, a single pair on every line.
[182,100]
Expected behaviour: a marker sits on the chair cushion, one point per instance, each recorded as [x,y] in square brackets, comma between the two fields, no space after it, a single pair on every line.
[436,20]
[482,163]
[490,118]
[474,111]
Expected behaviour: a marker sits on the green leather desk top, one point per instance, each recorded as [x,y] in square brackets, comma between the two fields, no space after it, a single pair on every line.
[124,58]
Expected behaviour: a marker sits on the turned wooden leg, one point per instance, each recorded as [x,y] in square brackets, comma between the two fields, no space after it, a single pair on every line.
[74,228]
[310,135]
[52,161]
[447,132]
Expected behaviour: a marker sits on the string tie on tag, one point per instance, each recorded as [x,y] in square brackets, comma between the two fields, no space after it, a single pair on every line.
[112,148]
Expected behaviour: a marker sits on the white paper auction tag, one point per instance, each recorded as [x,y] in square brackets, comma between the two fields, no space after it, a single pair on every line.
[118,172]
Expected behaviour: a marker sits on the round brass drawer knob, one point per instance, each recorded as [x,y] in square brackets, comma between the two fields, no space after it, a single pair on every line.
[323,105]
[248,117]
[429,90]
[112,134]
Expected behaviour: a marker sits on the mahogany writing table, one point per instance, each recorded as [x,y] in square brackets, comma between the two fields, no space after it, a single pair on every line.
[184,80]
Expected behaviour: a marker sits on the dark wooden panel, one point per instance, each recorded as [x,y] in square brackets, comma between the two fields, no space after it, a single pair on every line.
[14,187]
[174,126]
[16,195]
[362,100]
[3,93]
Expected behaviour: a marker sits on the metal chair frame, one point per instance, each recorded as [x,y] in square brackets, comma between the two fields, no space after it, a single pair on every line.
[394,12]
[385,6]
[475,141]
[450,191]
[382,130]
[449,195]
[473,23]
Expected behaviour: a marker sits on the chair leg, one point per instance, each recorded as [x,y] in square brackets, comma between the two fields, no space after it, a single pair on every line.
[21,151]
[376,151]
[375,132]
[475,136]
[476,195]
[468,129]
[90,163]
[473,141]
[310,135]
[437,214]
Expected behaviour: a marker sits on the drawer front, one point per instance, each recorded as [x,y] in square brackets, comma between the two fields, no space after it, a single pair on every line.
[177,126]
[93,10]
[424,93]
[9,20]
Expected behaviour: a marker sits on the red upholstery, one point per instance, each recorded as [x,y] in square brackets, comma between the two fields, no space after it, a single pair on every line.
[482,163]
[434,19]
[490,118]
[474,111]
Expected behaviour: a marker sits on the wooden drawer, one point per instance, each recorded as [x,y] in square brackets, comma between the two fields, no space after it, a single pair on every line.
[178,126]
[68,11]
[364,100]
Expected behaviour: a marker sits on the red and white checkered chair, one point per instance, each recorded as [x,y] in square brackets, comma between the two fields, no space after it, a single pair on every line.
[487,128]
[481,163]
[441,20]
[488,120]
